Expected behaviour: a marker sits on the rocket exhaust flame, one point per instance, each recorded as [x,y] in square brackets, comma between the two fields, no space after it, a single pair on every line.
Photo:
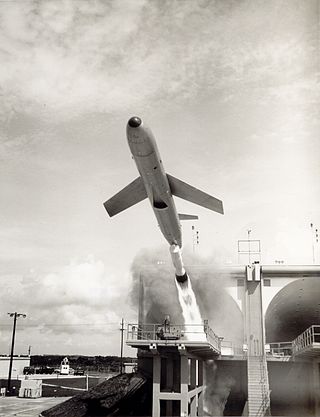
[190,310]
[194,329]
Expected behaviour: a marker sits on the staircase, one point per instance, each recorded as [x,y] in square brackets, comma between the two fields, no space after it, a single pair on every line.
[258,386]
[258,383]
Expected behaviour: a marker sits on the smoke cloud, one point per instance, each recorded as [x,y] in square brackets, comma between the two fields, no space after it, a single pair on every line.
[153,268]
[217,389]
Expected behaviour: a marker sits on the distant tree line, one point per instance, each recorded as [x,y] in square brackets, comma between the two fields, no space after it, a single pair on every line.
[88,363]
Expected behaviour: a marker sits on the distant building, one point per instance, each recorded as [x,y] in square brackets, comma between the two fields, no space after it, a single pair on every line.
[19,362]
[65,367]
[130,367]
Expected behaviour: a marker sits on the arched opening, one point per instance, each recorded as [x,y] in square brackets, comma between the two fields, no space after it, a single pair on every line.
[293,310]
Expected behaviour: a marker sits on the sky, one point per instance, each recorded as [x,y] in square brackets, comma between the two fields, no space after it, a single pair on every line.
[230,90]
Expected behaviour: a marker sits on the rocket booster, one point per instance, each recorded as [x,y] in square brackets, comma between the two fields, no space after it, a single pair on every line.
[180,272]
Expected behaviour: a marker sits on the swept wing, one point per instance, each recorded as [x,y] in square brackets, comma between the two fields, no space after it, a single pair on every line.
[127,197]
[187,192]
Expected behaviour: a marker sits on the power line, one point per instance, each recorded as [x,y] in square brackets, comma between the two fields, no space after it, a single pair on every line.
[61,324]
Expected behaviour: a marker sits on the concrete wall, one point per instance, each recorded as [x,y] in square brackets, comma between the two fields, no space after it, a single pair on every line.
[19,362]
[291,386]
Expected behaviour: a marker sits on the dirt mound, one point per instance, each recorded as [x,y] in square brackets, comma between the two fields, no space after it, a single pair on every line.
[126,394]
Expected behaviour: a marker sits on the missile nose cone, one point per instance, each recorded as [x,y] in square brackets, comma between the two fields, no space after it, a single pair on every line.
[134,122]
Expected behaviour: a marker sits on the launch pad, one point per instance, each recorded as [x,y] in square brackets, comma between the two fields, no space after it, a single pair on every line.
[177,353]
[273,364]
[199,340]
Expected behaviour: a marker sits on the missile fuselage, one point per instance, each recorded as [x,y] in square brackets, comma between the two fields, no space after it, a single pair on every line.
[159,187]
[146,155]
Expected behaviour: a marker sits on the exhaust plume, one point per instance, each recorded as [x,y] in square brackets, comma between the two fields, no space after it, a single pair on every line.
[163,296]
[193,321]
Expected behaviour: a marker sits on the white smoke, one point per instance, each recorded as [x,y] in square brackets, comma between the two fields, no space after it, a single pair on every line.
[187,299]
[194,329]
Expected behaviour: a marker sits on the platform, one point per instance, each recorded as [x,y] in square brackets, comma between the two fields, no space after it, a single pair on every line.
[307,344]
[177,353]
[198,340]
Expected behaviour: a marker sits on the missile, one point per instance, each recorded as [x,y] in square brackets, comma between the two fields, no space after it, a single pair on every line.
[159,187]
[181,275]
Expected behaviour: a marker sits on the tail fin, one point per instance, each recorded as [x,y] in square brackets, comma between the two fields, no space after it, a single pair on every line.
[187,217]
[187,192]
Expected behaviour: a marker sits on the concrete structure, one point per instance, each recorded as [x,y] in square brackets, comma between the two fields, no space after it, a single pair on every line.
[30,388]
[130,367]
[278,307]
[19,362]
[177,364]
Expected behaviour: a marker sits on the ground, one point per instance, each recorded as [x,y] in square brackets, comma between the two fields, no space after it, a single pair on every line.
[58,385]
[26,407]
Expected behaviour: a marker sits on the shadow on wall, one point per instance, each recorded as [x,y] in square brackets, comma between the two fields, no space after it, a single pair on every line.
[217,389]
[291,386]
[226,388]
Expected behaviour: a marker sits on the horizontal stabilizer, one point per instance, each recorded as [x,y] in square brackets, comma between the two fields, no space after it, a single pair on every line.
[187,192]
[187,217]
[130,195]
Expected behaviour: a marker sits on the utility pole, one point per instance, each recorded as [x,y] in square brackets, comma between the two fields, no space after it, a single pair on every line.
[312,240]
[15,315]
[121,346]
[29,350]
[249,249]
[195,238]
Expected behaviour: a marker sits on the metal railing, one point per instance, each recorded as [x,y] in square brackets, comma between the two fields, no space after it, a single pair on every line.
[180,332]
[229,348]
[306,339]
[279,349]
[265,405]
[260,381]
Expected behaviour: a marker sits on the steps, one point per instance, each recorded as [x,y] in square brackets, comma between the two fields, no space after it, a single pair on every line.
[258,386]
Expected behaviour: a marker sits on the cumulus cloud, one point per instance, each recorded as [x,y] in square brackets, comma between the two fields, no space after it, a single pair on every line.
[73,57]
[66,59]
[81,300]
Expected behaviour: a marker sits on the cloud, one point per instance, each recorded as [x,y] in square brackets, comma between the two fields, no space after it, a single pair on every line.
[249,69]
[81,300]
[71,57]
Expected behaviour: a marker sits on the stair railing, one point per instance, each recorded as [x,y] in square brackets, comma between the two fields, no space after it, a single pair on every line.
[264,383]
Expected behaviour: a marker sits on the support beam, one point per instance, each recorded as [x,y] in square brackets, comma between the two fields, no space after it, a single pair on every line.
[184,382]
[169,384]
[193,406]
[316,386]
[156,386]
[258,383]
[200,384]
[193,373]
